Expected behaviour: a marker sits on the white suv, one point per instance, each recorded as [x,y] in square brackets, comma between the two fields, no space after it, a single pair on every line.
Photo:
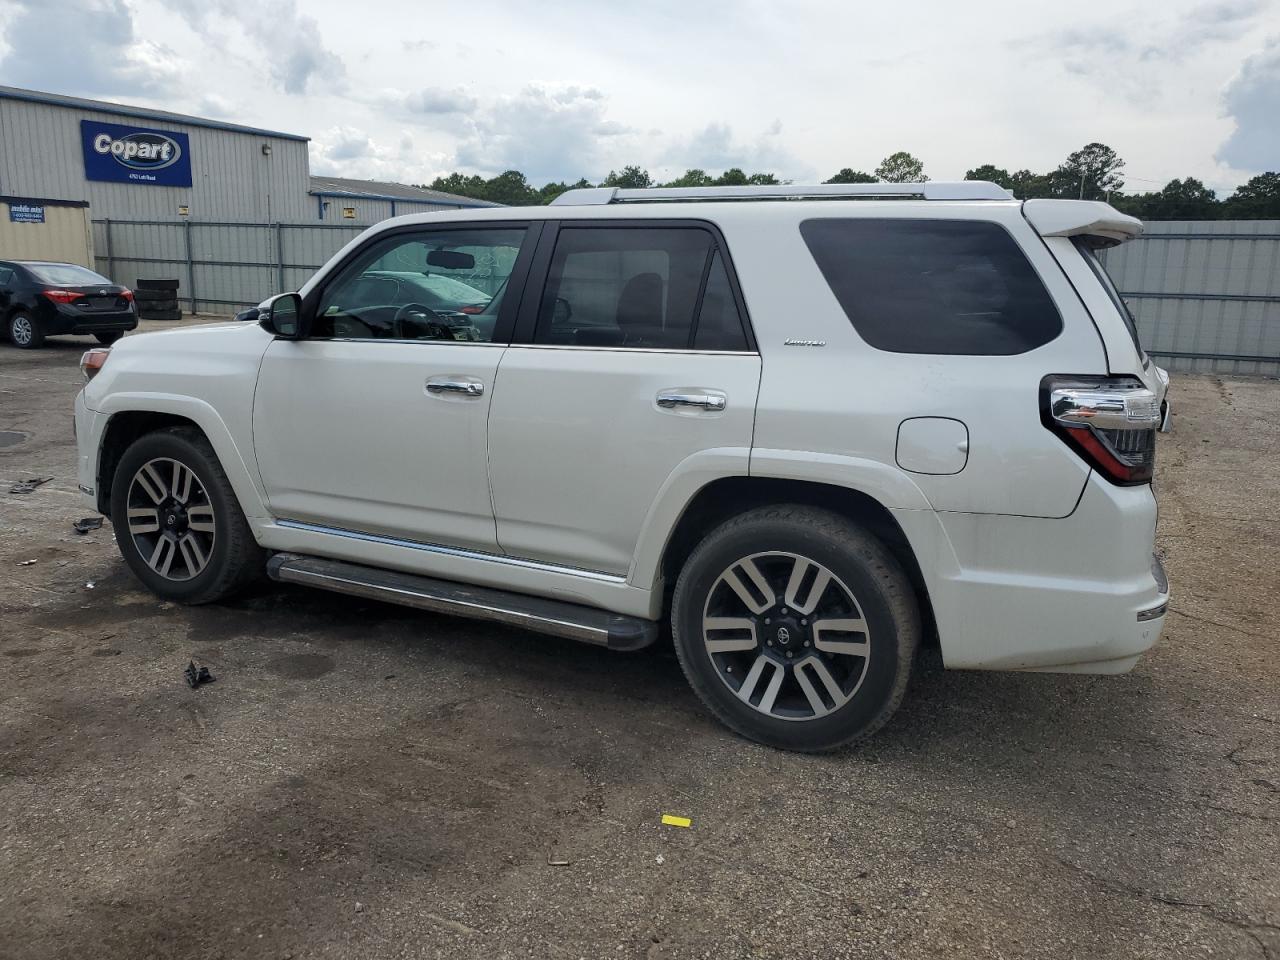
[809,427]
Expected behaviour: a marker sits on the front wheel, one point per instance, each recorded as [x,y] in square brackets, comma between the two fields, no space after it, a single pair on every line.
[796,627]
[177,521]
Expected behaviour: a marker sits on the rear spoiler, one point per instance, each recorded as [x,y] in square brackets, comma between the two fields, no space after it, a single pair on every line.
[1081,218]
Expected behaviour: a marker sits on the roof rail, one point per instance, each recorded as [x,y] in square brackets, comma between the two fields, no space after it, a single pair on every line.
[931,190]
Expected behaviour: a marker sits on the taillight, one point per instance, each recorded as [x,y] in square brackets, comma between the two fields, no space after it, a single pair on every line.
[92,360]
[63,296]
[126,296]
[1110,421]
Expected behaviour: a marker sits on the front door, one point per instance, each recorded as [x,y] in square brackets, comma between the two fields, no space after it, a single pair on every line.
[377,422]
[640,368]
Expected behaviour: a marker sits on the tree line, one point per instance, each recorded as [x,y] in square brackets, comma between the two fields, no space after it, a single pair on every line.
[1094,172]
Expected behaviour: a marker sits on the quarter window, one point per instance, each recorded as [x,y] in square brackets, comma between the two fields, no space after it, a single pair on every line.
[639,287]
[954,287]
[434,285]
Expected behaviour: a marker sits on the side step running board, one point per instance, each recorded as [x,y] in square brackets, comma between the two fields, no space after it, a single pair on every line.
[555,617]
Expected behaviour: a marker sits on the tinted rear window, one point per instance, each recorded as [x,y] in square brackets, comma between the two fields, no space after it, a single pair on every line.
[934,286]
[65,273]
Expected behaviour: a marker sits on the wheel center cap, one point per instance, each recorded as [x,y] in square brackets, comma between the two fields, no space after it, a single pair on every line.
[784,636]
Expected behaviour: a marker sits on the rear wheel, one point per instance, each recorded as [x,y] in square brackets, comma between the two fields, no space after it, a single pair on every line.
[109,337]
[177,520]
[796,627]
[25,331]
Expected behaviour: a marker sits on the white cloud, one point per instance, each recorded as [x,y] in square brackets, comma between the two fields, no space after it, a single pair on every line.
[714,148]
[90,48]
[1252,100]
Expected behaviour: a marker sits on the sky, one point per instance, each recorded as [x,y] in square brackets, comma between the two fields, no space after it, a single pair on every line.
[407,90]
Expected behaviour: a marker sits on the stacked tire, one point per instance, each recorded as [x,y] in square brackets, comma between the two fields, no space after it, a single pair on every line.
[157,299]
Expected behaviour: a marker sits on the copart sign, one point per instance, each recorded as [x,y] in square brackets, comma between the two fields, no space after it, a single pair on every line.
[135,154]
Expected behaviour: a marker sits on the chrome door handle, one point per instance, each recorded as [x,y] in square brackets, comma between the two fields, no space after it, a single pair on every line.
[706,401]
[466,386]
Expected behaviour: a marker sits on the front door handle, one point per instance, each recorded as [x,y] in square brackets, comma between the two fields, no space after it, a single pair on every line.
[704,400]
[462,386]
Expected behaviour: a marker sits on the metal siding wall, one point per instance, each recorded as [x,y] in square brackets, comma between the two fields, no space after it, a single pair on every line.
[1185,292]
[41,156]
[64,236]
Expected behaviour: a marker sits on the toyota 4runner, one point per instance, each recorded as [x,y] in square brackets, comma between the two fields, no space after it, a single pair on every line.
[811,428]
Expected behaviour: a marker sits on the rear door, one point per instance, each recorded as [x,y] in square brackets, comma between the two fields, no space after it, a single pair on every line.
[633,365]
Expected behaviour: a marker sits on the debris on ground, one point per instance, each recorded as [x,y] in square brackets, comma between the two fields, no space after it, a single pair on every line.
[89,585]
[87,524]
[197,674]
[26,486]
[26,563]
[671,820]
[555,861]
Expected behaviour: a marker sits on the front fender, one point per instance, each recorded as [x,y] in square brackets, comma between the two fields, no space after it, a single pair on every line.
[241,472]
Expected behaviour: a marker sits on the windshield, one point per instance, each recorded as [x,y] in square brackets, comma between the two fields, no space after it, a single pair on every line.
[67,274]
[1104,278]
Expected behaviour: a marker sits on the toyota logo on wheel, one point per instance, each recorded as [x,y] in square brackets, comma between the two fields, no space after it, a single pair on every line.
[784,635]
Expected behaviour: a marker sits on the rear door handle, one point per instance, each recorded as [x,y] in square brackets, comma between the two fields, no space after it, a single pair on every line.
[455,385]
[704,400]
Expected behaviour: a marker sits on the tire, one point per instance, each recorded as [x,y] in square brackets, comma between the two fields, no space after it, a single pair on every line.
[869,667]
[154,296]
[211,552]
[174,314]
[108,337]
[145,283]
[24,331]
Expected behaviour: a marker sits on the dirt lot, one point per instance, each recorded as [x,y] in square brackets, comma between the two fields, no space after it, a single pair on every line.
[366,781]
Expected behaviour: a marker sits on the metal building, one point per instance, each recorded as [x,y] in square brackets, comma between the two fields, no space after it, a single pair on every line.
[230,210]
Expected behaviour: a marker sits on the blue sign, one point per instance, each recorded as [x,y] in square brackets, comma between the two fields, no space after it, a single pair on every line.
[135,155]
[26,212]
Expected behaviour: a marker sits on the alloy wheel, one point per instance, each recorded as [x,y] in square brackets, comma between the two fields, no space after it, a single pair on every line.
[786,636]
[171,519]
[21,331]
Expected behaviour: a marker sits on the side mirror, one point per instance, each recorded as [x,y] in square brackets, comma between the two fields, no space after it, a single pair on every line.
[282,316]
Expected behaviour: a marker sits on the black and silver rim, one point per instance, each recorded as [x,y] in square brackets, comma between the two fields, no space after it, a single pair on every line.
[786,636]
[21,331]
[171,519]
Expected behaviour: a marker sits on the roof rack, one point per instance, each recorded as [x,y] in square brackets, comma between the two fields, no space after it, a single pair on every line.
[931,190]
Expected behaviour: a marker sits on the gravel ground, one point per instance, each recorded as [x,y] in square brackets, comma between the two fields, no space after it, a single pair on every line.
[367,781]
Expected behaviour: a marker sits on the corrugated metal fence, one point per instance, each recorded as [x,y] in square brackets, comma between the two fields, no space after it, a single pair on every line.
[1206,293]
[221,267]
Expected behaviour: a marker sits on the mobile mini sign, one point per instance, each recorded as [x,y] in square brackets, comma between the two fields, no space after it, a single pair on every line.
[135,155]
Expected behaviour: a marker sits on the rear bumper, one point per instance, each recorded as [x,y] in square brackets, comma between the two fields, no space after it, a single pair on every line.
[67,319]
[1081,594]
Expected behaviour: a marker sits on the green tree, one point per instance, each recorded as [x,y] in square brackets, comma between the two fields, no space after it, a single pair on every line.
[550,191]
[1030,186]
[1090,173]
[733,177]
[901,167]
[849,175]
[631,177]
[511,188]
[992,174]
[460,185]
[763,180]
[1187,199]
[1259,199]
[692,177]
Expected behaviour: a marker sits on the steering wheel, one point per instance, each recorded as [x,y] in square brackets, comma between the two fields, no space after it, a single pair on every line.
[398,322]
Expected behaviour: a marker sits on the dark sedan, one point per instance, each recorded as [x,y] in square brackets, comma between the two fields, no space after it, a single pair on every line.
[40,299]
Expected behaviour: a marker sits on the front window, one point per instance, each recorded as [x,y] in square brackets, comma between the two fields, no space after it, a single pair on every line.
[429,285]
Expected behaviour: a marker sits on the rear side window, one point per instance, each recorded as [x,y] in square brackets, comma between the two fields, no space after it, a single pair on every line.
[957,287]
[663,288]
[1104,278]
